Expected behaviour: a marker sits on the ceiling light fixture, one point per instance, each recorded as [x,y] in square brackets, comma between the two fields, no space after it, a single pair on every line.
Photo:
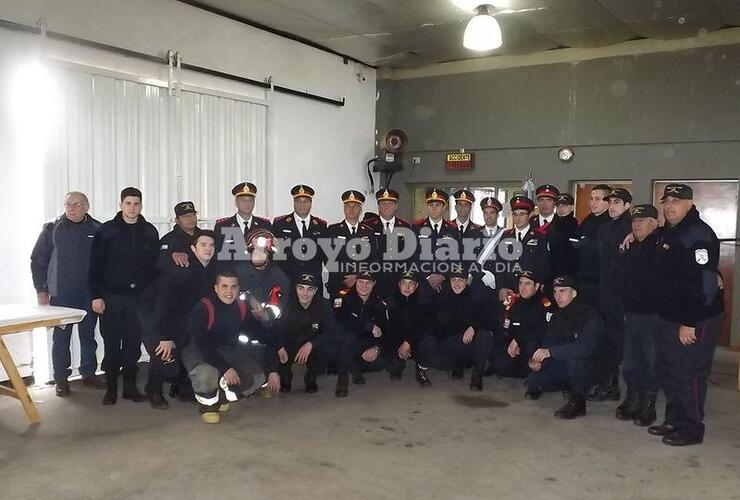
[483,31]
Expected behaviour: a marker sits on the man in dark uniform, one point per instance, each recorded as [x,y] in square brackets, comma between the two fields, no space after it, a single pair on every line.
[244,219]
[409,325]
[260,278]
[690,304]
[588,245]
[59,267]
[545,195]
[309,335]
[123,262]
[488,277]
[432,232]
[222,360]
[300,225]
[642,327]
[387,229]
[564,360]
[163,313]
[563,233]
[611,275]
[364,316]
[535,255]
[457,339]
[347,264]
[464,200]
[525,322]
[175,245]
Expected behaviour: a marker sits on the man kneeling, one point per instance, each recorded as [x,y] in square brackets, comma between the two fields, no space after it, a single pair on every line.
[564,360]
[222,361]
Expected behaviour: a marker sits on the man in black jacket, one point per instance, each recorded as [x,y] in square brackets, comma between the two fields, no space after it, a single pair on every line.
[611,276]
[59,267]
[409,326]
[641,334]
[525,322]
[175,245]
[564,232]
[307,334]
[690,304]
[164,311]
[565,358]
[457,340]
[122,263]
[222,359]
[364,317]
[588,245]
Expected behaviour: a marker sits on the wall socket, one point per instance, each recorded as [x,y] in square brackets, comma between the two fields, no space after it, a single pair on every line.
[416,160]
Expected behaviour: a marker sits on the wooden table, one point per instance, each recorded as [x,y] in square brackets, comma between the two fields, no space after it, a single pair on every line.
[16,318]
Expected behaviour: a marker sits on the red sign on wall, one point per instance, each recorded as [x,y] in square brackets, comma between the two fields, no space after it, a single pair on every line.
[459,161]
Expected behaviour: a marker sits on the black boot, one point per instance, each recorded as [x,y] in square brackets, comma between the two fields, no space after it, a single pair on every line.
[157,401]
[663,429]
[630,407]
[476,380]
[457,373]
[357,378]
[422,377]
[342,386]
[646,415]
[310,380]
[131,392]
[606,392]
[574,407]
[111,391]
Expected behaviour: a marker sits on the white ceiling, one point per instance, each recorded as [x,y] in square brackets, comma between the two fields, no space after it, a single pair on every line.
[415,33]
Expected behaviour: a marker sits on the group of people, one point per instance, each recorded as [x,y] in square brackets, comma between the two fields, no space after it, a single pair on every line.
[228,312]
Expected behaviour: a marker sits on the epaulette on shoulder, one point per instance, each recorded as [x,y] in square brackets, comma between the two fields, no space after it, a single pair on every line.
[419,222]
[222,220]
[319,219]
[508,232]
[451,224]
[281,217]
[540,230]
[399,221]
[263,219]
[473,225]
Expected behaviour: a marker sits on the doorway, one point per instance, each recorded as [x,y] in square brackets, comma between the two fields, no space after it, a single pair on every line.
[582,195]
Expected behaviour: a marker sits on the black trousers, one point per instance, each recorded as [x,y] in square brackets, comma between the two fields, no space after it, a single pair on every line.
[324,350]
[161,371]
[684,370]
[450,353]
[506,366]
[559,374]
[121,331]
[609,353]
[640,360]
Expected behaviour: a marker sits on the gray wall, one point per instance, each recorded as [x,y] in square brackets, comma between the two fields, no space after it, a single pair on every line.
[640,118]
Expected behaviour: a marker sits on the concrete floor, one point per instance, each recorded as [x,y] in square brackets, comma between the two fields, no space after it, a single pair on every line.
[387,440]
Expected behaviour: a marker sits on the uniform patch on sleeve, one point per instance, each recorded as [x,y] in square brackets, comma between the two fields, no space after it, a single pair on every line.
[164,247]
[701,255]
[548,316]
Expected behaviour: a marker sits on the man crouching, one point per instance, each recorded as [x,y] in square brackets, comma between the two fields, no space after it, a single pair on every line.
[221,359]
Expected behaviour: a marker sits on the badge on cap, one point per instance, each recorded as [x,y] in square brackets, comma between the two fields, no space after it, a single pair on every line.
[701,255]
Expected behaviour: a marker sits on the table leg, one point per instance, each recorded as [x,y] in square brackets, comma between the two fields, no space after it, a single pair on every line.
[21,392]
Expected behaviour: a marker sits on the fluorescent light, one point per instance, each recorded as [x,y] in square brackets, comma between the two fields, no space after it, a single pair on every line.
[483,32]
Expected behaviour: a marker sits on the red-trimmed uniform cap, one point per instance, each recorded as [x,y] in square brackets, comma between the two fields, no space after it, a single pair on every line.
[547,190]
[491,202]
[302,190]
[464,195]
[386,195]
[520,202]
[244,189]
[436,194]
[353,196]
